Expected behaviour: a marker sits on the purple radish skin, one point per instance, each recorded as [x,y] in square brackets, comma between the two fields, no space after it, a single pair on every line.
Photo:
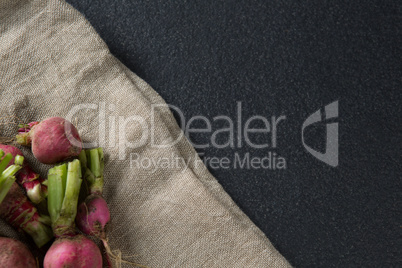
[77,251]
[53,140]
[14,253]
[93,215]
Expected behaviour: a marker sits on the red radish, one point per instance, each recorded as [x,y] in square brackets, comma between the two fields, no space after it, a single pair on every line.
[14,151]
[15,254]
[77,251]
[33,184]
[15,207]
[52,140]
[70,249]
[93,214]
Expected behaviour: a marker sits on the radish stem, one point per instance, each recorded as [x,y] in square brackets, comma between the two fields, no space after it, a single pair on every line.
[5,186]
[56,184]
[95,164]
[7,177]
[83,159]
[64,187]
[73,185]
[10,171]
[5,161]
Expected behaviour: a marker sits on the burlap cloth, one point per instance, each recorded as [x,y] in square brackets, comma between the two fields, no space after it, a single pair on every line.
[171,213]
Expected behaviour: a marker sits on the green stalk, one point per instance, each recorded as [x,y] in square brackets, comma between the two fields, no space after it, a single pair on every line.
[19,160]
[95,164]
[7,177]
[10,171]
[5,186]
[101,160]
[63,208]
[23,139]
[5,161]
[57,177]
[70,202]
[83,160]
[39,231]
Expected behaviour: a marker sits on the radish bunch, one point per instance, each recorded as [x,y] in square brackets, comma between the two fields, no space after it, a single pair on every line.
[34,185]
[12,252]
[52,141]
[15,208]
[93,214]
[55,141]
[70,249]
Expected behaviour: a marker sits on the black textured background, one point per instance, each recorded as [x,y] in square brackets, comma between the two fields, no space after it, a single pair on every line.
[285,58]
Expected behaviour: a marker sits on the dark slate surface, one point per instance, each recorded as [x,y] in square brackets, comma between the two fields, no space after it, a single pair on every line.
[285,58]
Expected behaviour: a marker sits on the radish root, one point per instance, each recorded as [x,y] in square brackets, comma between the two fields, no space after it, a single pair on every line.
[116,256]
[8,121]
[6,140]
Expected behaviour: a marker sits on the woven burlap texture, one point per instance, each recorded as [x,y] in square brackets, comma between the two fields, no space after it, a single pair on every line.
[168,214]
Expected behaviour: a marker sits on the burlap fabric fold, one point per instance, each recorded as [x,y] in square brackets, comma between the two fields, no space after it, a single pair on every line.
[167,209]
